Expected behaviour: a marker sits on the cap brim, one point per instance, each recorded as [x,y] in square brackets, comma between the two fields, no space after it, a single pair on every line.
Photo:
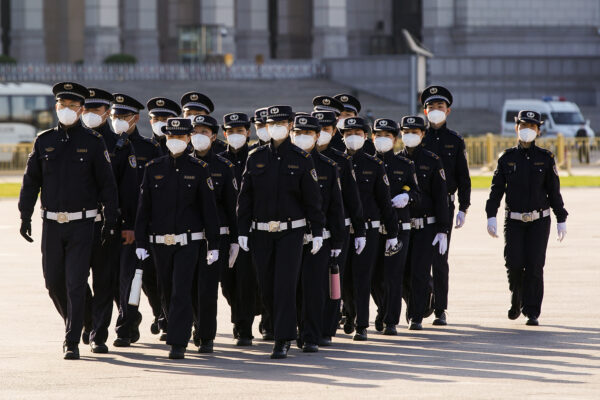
[529,121]
[69,96]
[236,124]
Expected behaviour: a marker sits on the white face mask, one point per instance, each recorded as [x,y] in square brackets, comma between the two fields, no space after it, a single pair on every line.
[305,142]
[527,135]
[66,116]
[383,144]
[436,116]
[201,142]
[340,123]
[263,134]
[157,128]
[354,142]
[92,120]
[177,146]
[411,139]
[278,132]
[324,138]
[236,140]
[120,126]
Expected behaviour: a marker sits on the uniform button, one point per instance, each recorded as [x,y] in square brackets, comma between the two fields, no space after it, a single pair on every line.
[189,185]
[292,173]
[155,186]
[321,185]
[81,159]
[177,169]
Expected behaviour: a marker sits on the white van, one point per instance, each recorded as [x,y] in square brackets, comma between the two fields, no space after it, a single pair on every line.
[559,116]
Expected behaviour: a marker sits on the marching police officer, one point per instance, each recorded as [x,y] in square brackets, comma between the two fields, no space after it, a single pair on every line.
[260,125]
[71,167]
[124,118]
[314,287]
[160,109]
[389,269]
[374,191]
[529,177]
[429,217]
[225,192]
[350,108]
[450,147]
[176,211]
[195,103]
[279,195]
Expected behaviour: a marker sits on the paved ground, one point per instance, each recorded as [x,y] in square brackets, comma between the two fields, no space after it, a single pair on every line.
[481,354]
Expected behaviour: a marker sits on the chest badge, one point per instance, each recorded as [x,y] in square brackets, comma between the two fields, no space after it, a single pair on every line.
[132,161]
[386,180]
[443,174]
[235,185]
[107,156]
[313,173]
[209,182]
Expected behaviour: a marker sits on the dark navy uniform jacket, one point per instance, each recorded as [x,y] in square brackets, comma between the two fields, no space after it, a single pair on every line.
[222,172]
[331,193]
[450,147]
[280,184]
[432,183]
[530,180]
[145,149]
[237,159]
[72,169]
[374,189]
[177,196]
[403,179]
[162,141]
[350,195]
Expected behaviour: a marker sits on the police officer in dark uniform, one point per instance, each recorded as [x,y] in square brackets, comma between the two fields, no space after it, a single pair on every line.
[177,211]
[71,167]
[279,195]
[105,257]
[207,278]
[314,277]
[195,103]
[329,104]
[353,215]
[351,108]
[160,109]
[429,218]
[450,147]
[124,118]
[374,192]
[260,125]
[529,177]
[389,270]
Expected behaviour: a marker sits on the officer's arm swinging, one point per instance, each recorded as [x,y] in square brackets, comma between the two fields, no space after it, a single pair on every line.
[32,183]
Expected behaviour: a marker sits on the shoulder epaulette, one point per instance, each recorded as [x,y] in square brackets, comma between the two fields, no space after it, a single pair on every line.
[259,148]
[509,150]
[225,161]
[152,141]
[374,158]
[405,159]
[94,133]
[197,161]
[46,131]
[341,154]
[431,154]
[546,151]
[327,160]
[458,135]
[305,154]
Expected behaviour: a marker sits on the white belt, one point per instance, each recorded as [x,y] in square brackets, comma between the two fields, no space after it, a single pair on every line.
[419,223]
[404,226]
[277,226]
[308,237]
[224,230]
[63,217]
[528,217]
[347,222]
[451,197]
[182,238]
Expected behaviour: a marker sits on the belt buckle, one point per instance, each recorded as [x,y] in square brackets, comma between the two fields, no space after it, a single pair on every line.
[527,217]
[170,240]
[62,217]
[274,226]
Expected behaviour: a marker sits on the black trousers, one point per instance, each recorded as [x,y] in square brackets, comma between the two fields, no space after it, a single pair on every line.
[313,291]
[440,270]
[388,277]
[278,257]
[175,266]
[525,245]
[66,252]
[357,282]
[418,265]
[332,312]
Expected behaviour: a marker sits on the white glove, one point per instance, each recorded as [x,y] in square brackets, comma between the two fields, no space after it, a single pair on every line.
[141,254]
[391,243]
[400,200]
[359,244]
[492,227]
[212,256]
[317,244]
[243,241]
[335,252]
[562,230]
[442,239]
[234,249]
[460,219]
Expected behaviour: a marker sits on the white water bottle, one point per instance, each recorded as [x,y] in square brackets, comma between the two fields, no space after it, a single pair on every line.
[136,288]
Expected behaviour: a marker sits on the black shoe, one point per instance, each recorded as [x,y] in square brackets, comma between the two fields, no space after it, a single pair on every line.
[71,351]
[532,321]
[415,326]
[514,313]
[440,318]
[360,335]
[268,335]
[135,330]
[243,341]
[206,346]
[280,349]
[390,330]
[310,348]
[122,342]
[348,326]
[163,337]
[299,342]
[85,336]
[154,328]
[379,323]
[99,348]
[177,352]
[325,341]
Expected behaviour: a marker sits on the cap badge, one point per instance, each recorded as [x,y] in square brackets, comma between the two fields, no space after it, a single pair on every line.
[175,123]
[200,118]
[234,117]
[68,86]
[319,116]
[194,97]
[302,121]
[160,102]
[433,90]
[326,102]
[351,121]
[530,114]
[344,99]
[119,99]
[410,120]
[383,122]
[92,93]
[274,110]
[263,113]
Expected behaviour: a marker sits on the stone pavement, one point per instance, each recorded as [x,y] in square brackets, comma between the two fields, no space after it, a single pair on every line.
[481,354]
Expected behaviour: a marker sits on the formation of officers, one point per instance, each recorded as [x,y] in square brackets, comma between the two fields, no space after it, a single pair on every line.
[319,192]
